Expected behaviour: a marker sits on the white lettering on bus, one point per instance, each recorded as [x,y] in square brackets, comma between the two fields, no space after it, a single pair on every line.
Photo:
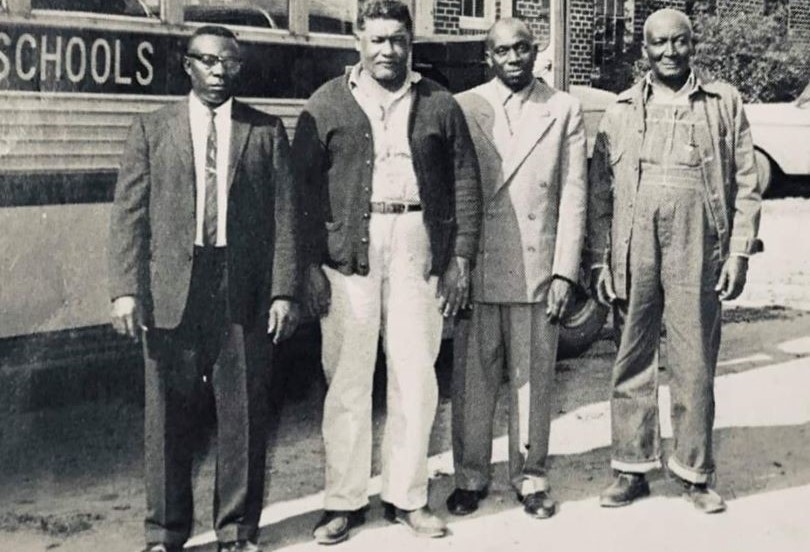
[145,79]
[118,78]
[75,43]
[24,39]
[56,57]
[5,63]
[98,76]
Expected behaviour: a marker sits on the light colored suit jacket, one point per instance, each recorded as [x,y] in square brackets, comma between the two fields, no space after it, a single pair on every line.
[535,193]
[152,224]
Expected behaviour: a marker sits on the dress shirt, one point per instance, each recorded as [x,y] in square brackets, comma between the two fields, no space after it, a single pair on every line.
[506,126]
[394,178]
[199,116]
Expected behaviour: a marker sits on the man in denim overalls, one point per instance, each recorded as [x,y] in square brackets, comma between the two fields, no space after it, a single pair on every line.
[673,218]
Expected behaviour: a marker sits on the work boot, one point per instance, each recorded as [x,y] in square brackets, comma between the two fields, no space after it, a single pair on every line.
[703,498]
[626,488]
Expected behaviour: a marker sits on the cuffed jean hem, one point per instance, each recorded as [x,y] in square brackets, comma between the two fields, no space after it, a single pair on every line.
[635,467]
[687,474]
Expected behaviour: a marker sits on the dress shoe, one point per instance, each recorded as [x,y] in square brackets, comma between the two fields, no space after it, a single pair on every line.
[421,522]
[626,488]
[239,546]
[703,498]
[160,547]
[539,505]
[334,525]
[462,501]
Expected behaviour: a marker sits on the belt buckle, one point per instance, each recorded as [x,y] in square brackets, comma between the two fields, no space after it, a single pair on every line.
[396,208]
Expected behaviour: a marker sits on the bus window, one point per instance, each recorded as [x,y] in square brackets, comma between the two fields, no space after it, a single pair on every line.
[134,8]
[267,14]
[332,16]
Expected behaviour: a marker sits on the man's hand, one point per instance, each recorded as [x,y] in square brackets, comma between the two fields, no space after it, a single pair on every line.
[317,292]
[127,318]
[284,317]
[559,295]
[732,278]
[602,285]
[454,287]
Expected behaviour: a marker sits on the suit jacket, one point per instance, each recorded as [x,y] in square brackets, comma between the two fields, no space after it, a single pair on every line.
[535,193]
[152,225]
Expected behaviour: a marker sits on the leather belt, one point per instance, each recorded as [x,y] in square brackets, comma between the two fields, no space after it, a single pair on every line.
[392,208]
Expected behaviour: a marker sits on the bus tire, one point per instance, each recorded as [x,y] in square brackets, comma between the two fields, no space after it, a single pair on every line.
[581,326]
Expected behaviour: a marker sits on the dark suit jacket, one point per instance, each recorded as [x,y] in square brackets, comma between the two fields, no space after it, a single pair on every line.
[152,225]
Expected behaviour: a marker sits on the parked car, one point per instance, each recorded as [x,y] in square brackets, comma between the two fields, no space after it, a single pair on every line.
[781,133]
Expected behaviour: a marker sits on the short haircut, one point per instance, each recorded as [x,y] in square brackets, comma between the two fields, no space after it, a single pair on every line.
[384,9]
[668,12]
[212,30]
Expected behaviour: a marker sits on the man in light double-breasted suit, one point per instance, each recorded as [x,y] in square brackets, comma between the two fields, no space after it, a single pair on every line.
[530,143]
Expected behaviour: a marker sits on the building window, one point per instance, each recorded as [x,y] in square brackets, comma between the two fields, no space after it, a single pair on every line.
[472,8]
[609,31]
[477,15]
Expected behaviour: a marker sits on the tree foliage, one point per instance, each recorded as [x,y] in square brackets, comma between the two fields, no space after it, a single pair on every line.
[754,52]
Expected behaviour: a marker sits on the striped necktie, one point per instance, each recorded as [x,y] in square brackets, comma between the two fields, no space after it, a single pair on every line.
[210,216]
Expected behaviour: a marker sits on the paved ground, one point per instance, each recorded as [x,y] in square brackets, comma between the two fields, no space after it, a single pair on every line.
[70,478]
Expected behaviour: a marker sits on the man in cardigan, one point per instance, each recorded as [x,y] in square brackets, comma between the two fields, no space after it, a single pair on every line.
[392,209]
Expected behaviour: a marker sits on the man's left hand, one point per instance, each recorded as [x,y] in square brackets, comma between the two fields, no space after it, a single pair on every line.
[732,278]
[284,317]
[559,295]
[454,287]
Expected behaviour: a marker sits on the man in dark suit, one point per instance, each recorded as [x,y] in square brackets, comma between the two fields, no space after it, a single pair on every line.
[203,266]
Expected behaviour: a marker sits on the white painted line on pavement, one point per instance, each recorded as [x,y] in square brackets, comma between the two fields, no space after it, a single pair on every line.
[782,398]
[800,346]
[759,357]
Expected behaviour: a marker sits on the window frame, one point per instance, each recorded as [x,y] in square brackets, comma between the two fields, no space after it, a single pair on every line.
[470,23]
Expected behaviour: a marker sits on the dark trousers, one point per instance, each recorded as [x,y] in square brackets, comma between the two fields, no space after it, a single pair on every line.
[519,340]
[206,363]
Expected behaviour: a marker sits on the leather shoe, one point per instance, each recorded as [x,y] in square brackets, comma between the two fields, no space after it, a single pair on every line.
[463,501]
[334,525]
[704,499]
[160,547]
[239,546]
[421,522]
[539,505]
[626,488]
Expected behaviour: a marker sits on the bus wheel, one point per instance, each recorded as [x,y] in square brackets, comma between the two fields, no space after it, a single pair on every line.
[582,325]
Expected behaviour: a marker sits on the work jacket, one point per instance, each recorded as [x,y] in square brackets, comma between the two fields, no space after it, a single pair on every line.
[726,159]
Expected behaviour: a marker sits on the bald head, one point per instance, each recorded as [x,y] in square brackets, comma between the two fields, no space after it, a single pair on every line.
[669,18]
[511,52]
[511,26]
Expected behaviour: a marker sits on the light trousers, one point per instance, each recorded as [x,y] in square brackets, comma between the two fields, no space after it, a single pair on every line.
[397,299]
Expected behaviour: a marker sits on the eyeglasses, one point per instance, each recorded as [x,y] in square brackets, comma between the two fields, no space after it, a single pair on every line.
[209,61]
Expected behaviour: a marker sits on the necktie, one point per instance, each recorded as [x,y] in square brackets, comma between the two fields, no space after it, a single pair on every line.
[210,216]
[512,107]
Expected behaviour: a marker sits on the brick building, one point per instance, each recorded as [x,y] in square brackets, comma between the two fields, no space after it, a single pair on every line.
[601,31]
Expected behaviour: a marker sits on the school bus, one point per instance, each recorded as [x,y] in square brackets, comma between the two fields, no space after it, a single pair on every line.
[74,73]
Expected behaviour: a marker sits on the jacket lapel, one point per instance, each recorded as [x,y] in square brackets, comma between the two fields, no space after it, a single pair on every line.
[180,131]
[240,129]
[535,121]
